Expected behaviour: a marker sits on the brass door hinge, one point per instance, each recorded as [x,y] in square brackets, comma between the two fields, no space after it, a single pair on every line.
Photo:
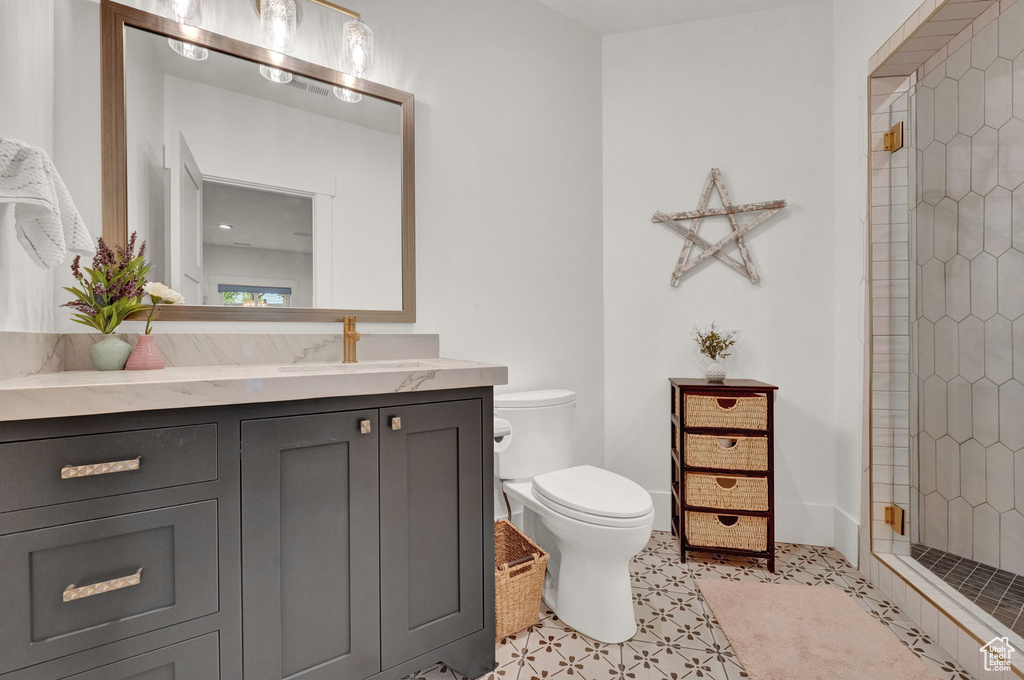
[894,138]
[894,518]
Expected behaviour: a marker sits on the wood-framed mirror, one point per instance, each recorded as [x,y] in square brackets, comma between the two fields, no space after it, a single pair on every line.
[267,188]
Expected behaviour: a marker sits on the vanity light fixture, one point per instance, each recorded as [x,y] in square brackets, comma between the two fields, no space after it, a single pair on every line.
[189,13]
[357,55]
[277,31]
[225,226]
[278,21]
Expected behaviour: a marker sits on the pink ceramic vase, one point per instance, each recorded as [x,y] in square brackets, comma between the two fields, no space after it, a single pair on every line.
[146,356]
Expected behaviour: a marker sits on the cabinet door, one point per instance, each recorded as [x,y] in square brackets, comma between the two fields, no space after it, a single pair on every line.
[310,561]
[431,527]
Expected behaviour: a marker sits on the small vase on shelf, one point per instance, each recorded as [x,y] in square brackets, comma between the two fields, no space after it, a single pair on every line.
[715,373]
[146,356]
[110,353]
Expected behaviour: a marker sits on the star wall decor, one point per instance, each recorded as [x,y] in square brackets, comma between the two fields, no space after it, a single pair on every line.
[672,220]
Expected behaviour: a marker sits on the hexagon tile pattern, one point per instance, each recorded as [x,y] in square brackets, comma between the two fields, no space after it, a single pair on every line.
[968,328]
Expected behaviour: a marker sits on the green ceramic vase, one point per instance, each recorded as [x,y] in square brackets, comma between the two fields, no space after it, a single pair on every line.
[110,353]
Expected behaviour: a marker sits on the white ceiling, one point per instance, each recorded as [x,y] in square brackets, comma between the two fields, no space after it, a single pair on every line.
[259,219]
[620,16]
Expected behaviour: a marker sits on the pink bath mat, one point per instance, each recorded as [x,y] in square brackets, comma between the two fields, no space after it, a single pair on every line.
[798,632]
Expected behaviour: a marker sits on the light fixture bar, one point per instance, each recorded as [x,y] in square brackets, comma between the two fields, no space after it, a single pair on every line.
[336,8]
[324,3]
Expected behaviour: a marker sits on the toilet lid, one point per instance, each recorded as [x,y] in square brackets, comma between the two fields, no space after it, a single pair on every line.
[594,491]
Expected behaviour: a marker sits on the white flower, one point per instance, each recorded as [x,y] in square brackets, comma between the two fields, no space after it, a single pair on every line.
[162,294]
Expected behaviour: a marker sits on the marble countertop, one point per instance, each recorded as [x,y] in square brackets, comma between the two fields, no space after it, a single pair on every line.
[76,393]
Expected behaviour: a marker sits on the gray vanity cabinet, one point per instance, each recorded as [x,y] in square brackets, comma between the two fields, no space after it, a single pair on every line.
[345,538]
[310,564]
[431,527]
[194,659]
[362,539]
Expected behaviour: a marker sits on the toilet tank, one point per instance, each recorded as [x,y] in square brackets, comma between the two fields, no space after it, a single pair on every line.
[541,432]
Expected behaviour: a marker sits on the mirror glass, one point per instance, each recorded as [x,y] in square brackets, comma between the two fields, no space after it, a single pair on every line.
[259,188]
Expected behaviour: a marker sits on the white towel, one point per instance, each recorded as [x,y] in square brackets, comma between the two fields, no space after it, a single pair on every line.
[45,218]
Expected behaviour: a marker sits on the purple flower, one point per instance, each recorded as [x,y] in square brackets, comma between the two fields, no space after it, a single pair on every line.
[117,277]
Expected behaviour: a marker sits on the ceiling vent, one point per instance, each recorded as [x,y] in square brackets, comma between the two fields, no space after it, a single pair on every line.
[310,86]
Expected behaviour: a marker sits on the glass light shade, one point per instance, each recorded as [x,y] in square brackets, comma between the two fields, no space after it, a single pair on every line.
[190,13]
[357,45]
[347,95]
[188,49]
[277,24]
[275,75]
[184,11]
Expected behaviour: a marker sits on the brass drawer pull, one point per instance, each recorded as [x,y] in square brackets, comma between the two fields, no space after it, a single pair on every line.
[73,471]
[365,427]
[73,592]
[396,423]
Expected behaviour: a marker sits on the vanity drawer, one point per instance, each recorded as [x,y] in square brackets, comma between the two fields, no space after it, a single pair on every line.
[726,452]
[739,532]
[77,586]
[727,492]
[734,413]
[50,471]
[196,659]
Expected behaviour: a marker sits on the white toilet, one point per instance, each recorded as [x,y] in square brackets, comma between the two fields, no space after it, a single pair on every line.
[591,521]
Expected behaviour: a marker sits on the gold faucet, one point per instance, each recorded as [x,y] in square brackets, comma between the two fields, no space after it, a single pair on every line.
[351,338]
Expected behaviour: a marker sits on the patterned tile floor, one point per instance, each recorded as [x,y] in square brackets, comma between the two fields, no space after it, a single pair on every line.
[678,636]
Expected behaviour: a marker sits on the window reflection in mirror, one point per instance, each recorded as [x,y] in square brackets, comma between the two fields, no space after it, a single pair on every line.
[258,193]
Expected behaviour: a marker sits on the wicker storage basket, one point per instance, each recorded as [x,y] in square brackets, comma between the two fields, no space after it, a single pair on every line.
[739,453]
[519,568]
[727,531]
[739,413]
[727,492]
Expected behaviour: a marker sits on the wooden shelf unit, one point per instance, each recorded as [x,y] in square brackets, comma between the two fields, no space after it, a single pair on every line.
[725,395]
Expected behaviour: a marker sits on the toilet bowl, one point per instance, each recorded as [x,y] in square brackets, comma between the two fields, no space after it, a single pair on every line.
[591,521]
[588,584]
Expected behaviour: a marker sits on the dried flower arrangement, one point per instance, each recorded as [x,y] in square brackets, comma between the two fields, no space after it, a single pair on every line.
[112,289]
[714,342]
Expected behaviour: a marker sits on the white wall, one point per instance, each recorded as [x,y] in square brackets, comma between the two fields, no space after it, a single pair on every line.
[508,181]
[859,28]
[26,113]
[752,95]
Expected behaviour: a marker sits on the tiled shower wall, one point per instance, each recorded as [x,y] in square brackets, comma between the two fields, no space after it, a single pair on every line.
[967,326]
[938,28]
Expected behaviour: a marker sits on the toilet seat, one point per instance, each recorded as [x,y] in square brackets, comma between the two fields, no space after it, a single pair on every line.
[595,496]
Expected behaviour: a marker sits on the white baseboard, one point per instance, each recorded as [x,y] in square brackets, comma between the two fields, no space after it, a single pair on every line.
[662,510]
[846,532]
[805,523]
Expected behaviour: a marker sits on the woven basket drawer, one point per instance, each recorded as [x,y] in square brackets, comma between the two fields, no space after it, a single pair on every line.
[727,492]
[726,453]
[727,531]
[738,413]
